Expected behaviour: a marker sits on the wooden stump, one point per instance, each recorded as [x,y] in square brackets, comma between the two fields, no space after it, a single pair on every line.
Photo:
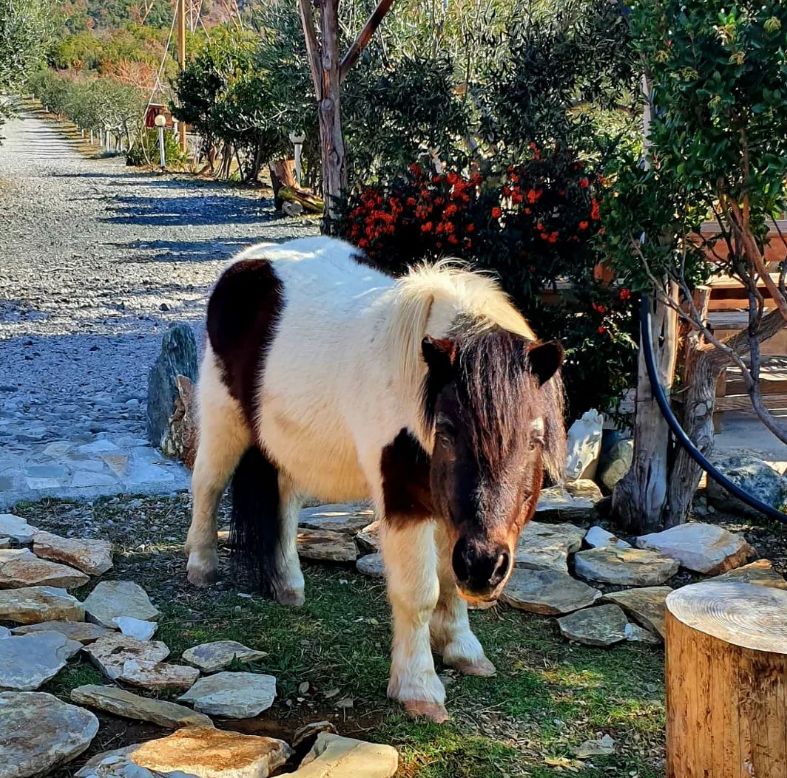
[726,673]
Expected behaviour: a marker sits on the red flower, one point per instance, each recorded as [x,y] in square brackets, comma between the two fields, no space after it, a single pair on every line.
[516,198]
[595,211]
[411,201]
[363,243]
[448,226]
[553,236]
[601,330]
[599,308]
[452,178]
[584,183]
[583,225]
[453,240]
[533,195]
[470,227]
[625,294]
[427,227]
[450,209]
[496,212]
[415,169]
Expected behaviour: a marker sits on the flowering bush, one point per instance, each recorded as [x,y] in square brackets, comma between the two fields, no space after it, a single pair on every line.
[533,224]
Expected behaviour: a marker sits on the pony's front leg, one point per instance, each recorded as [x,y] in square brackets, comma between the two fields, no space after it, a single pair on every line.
[410,558]
[450,625]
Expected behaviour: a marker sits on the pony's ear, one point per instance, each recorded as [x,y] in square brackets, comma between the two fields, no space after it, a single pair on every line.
[440,357]
[545,360]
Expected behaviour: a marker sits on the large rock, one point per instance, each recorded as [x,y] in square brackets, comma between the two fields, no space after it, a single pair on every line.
[752,475]
[29,661]
[339,518]
[371,565]
[624,566]
[368,539]
[81,631]
[135,628]
[335,756]
[193,752]
[232,695]
[760,573]
[180,439]
[584,446]
[178,356]
[111,652]
[158,676]
[19,567]
[616,463]
[38,732]
[603,625]
[16,529]
[120,702]
[646,606]
[39,603]
[215,656]
[93,557]
[326,545]
[547,546]
[548,592]
[598,537]
[111,599]
[556,502]
[703,548]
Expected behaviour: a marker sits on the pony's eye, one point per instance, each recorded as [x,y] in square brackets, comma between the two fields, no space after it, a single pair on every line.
[445,426]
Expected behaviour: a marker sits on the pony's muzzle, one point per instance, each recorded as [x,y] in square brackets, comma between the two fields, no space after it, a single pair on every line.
[480,568]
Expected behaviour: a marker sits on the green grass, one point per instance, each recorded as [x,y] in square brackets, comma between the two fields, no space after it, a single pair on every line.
[548,697]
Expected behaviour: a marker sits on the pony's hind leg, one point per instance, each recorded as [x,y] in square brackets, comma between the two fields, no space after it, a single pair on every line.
[290,585]
[450,625]
[223,439]
[411,570]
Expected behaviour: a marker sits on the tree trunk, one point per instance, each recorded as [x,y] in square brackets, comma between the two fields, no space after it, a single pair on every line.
[704,364]
[726,665]
[282,174]
[334,170]
[639,497]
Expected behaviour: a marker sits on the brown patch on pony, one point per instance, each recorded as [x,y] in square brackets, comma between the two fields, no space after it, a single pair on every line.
[243,312]
[405,468]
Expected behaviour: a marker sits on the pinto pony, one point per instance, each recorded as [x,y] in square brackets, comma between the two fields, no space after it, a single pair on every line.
[429,394]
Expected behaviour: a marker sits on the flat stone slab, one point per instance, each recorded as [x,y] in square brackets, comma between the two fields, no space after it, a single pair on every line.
[338,518]
[215,656]
[368,539]
[81,631]
[93,557]
[637,634]
[38,732]
[120,702]
[158,676]
[135,628]
[16,529]
[232,695]
[548,592]
[333,755]
[598,537]
[557,503]
[703,548]
[646,606]
[111,653]
[29,661]
[19,567]
[111,599]
[547,546]
[624,566]
[603,625]
[371,565]
[5,633]
[326,545]
[39,603]
[760,573]
[193,752]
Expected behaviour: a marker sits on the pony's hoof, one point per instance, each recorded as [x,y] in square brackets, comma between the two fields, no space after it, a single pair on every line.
[292,598]
[433,711]
[200,572]
[481,667]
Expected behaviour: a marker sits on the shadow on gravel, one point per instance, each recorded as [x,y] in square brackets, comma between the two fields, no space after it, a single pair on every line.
[187,210]
[143,251]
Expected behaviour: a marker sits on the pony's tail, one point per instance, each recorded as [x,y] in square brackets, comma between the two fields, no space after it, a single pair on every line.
[255,535]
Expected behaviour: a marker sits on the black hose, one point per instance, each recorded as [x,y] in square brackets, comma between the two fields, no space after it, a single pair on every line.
[680,433]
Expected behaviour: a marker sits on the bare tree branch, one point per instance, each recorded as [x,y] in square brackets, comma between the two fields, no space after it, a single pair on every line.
[364,36]
[312,46]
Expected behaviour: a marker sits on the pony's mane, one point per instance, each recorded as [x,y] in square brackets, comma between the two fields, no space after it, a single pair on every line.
[472,307]
[449,290]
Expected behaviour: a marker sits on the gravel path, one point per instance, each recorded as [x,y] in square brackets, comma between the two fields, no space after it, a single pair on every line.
[96,261]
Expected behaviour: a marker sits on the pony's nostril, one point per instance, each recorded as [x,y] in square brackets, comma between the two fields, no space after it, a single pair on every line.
[501,568]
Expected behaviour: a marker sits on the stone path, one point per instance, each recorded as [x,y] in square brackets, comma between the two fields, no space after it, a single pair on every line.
[96,262]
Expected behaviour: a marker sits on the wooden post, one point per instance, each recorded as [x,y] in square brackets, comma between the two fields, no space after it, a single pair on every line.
[726,671]
[181,25]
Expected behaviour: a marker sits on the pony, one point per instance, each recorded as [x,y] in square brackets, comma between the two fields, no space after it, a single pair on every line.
[428,394]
